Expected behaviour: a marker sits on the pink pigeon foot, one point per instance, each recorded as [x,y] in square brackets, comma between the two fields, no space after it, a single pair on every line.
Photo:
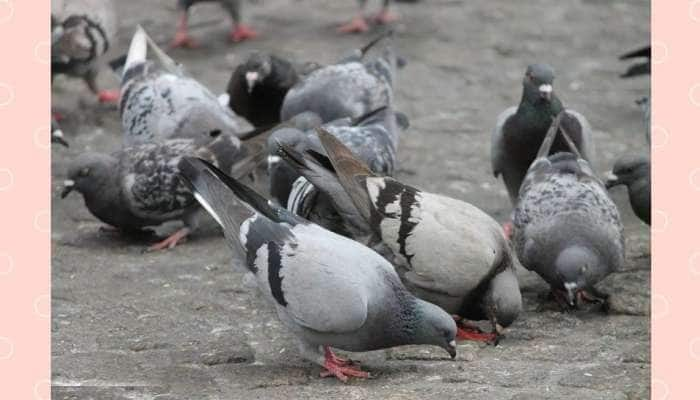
[243,32]
[340,368]
[356,25]
[171,241]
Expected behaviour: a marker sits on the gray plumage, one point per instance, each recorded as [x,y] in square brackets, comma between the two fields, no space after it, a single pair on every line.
[232,7]
[520,130]
[81,32]
[566,228]
[57,133]
[139,186]
[446,251]
[357,85]
[327,289]
[160,101]
[634,172]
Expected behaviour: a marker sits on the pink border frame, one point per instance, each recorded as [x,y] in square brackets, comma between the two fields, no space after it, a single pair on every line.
[25,200]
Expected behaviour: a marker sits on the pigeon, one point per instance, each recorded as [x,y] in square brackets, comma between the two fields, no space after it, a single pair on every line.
[257,88]
[359,23]
[161,101]
[633,172]
[446,251]
[566,227]
[373,137]
[360,83]
[239,32]
[330,291]
[139,186]
[641,68]
[520,130]
[81,32]
[57,134]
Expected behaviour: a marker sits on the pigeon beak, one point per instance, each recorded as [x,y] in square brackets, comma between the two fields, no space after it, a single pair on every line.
[546,91]
[611,180]
[68,186]
[452,349]
[57,137]
[251,78]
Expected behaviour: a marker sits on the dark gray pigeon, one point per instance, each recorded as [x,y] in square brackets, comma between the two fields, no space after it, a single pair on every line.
[239,32]
[359,23]
[81,32]
[373,137]
[640,68]
[446,251]
[633,172]
[359,84]
[160,101]
[139,186]
[327,289]
[520,130]
[566,228]
[258,86]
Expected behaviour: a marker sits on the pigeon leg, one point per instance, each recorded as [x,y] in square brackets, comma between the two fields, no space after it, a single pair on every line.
[356,25]
[340,368]
[508,229]
[171,241]
[242,32]
[182,37]
[467,331]
[108,96]
[385,16]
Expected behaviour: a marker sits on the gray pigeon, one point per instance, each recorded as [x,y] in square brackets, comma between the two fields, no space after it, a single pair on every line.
[566,228]
[258,86]
[633,172]
[161,101]
[327,289]
[520,130]
[81,32]
[239,32]
[139,186]
[359,23]
[359,84]
[446,251]
[373,137]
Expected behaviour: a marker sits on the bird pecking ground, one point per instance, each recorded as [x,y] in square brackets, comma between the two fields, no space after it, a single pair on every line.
[182,324]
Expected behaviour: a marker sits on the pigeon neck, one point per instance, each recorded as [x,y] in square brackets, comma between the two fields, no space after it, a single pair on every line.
[538,108]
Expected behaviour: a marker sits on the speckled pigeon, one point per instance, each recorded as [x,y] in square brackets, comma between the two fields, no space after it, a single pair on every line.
[520,130]
[239,32]
[81,32]
[446,251]
[330,291]
[360,83]
[633,172]
[566,228]
[139,185]
[160,101]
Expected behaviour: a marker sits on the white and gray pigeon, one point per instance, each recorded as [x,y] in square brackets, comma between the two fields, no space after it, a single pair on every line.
[81,32]
[520,129]
[357,85]
[634,172]
[373,137]
[139,186]
[566,227]
[330,291]
[160,101]
[446,251]
[239,32]
[359,23]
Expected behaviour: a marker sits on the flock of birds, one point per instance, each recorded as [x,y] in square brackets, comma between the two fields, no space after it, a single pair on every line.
[350,257]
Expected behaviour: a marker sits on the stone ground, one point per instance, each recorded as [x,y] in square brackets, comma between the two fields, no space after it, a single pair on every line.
[181,323]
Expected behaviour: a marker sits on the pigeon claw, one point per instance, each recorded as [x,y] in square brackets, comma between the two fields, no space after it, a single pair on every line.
[476,335]
[183,40]
[243,32]
[385,17]
[356,25]
[340,367]
[171,241]
[108,96]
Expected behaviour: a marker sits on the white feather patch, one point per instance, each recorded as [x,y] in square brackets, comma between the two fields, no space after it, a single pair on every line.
[374,186]
[300,189]
[208,207]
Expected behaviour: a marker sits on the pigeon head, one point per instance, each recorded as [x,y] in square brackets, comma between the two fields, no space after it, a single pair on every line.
[537,83]
[503,300]
[89,172]
[627,170]
[434,326]
[256,69]
[573,267]
[74,41]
